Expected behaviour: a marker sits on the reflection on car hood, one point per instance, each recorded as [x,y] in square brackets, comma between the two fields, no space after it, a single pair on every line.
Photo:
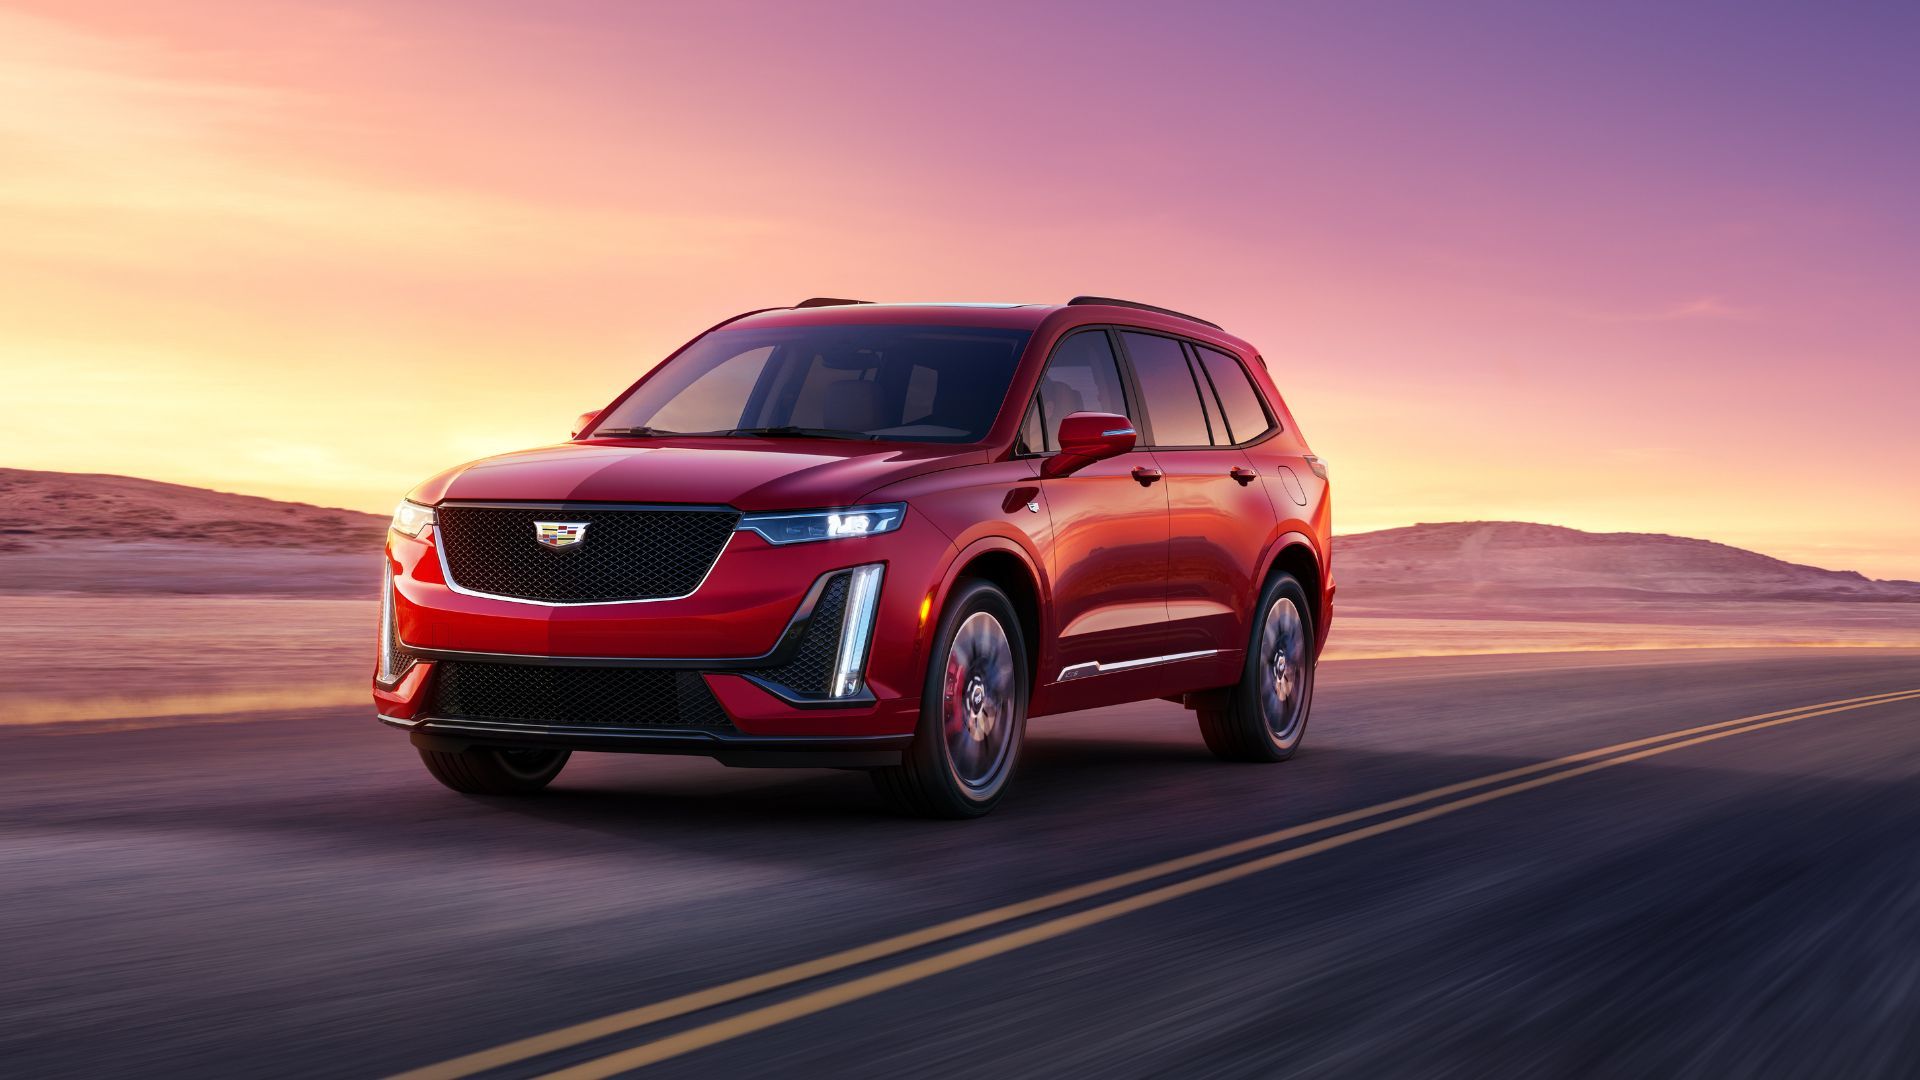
[750,474]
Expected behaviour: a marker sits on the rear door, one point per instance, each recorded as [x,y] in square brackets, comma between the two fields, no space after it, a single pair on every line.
[1278,456]
[1219,515]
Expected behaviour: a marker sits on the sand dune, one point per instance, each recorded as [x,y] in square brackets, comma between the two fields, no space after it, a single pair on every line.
[118,535]
[1507,586]
[1487,558]
[123,598]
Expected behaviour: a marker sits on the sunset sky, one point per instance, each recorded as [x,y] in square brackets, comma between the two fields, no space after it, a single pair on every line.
[1620,267]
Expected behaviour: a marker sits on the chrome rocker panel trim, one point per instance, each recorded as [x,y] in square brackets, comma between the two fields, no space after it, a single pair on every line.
[1103,667]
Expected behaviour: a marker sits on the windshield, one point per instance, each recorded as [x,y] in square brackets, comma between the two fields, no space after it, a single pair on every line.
[898,383]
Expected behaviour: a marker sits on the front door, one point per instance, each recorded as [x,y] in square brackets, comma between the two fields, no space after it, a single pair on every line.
[1109,527]
[1110,564]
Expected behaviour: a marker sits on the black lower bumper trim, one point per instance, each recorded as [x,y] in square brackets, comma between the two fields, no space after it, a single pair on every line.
[730,748]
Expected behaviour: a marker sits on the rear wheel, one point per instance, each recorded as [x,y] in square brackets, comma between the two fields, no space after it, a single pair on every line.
[973,711]
[1265,716]
[484,770]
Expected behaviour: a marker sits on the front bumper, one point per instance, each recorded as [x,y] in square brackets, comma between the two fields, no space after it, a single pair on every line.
[738,670]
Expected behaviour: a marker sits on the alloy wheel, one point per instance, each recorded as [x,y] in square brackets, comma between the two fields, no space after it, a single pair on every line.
[978,704]
[1284,671]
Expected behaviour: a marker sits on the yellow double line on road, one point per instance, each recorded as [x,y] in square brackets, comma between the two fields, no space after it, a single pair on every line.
[1528,777]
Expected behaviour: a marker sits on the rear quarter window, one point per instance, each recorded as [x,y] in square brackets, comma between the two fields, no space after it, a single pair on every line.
[1247,417]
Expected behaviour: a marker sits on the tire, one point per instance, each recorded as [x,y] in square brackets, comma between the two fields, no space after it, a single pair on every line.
[485,770]
[973,711]
[1265,715]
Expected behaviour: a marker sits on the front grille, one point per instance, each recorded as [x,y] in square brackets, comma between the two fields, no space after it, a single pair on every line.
[811,668]
[625,554]
[574,696]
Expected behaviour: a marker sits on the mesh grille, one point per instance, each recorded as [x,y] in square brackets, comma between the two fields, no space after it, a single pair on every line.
[575,696]
[811,669]
[623,555]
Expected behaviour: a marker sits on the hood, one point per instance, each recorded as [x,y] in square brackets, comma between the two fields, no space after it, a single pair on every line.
[748,474]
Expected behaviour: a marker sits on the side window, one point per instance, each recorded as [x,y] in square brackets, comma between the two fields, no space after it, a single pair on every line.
[1246,416]
[1209,403]
[1082,376]
[1033,439]
[1172,401]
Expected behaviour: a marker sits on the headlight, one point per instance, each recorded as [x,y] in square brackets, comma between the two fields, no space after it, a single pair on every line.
[411,519]
[808,525]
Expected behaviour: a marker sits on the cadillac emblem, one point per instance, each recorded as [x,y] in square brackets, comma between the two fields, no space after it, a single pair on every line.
[560,534]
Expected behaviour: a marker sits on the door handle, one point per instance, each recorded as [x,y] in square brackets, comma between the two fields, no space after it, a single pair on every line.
[1243,474]
[1146,474]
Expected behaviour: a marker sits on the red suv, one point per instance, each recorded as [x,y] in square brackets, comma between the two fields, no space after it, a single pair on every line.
[872,536]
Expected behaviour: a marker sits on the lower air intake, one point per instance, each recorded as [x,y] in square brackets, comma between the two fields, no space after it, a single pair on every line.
[574,696]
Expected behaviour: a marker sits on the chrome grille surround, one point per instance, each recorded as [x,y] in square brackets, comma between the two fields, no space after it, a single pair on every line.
[630,554]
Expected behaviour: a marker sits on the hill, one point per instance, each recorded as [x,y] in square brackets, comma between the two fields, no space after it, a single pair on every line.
[1510,564]
[92,533]
[84,532]
[43,509]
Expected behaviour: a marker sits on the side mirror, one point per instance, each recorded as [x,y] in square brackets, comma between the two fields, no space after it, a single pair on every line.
[584,422]
[1087,437]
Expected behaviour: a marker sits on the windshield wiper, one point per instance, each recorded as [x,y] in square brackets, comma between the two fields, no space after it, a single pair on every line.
[790,431]
[641,430]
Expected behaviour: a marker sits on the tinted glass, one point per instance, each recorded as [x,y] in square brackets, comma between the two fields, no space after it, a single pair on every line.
[1173,404]
[1216,423]
[898,383]
[1246,416]
[1082,376]
[716,391]
[1033,438]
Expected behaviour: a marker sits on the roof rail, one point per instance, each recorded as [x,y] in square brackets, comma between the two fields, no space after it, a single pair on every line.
[1109,301]
[828,301]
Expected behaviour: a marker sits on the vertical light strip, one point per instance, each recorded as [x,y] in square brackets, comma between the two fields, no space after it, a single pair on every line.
[385,672]
[856,628]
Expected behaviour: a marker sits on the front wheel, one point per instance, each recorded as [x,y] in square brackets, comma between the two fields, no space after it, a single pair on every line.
[973,711]
[1265,716]
[485,770]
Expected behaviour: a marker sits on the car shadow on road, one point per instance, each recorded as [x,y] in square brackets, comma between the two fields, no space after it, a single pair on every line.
[1073,792]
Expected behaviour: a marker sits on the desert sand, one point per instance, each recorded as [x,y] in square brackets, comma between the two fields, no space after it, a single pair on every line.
[130,601]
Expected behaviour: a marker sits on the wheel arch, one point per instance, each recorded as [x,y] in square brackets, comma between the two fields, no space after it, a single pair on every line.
[1008,566]
[1294,553]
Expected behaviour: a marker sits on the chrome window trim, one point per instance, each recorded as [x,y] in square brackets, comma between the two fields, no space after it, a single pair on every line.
[1108,667]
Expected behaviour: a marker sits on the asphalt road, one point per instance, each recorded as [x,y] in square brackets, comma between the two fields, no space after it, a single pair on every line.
[293,896]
